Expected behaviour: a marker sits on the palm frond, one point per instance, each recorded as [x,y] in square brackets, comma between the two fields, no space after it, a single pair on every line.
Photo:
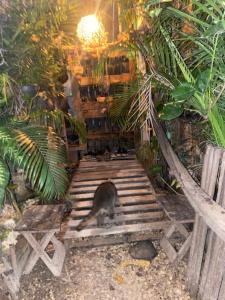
[4,179]
[56,119]
[122,100]
[41,154]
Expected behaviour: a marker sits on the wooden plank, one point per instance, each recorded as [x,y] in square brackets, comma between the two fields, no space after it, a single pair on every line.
[143,179]
[156,225]
[106,168]
[222,290]
[176,207]
[108,175]
[89,195]
[209,177]
[109,164]
[54,265]
[40,218]
[125,160]
[119,186]
[114,239]
[170,230]
[122,171]
[38,248]
[143,216]
[108,171]
[23,259]
[184,248]
[114,158]
[215,257]
[198,243]
[136,197]
[216,272]
[122,209]
[169,249]
[123,201]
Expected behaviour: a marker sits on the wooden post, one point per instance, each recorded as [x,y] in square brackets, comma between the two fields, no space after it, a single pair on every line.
[214,266]
[209,178]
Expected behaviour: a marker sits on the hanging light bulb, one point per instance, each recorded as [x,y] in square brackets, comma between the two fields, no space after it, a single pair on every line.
[90,30]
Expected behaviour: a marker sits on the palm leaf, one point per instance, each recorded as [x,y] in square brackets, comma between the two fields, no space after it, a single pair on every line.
[4,179]
[41,154]
[56,119]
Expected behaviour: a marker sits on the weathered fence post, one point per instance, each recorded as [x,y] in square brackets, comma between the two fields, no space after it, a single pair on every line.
[205,278]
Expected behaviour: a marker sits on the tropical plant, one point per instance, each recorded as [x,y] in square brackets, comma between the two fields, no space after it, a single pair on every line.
[57,119]
[190,80]
[33,40]
[39,152]
[122,99]
[202,87]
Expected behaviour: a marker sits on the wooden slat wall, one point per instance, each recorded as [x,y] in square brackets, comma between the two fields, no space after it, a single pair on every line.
[206,269]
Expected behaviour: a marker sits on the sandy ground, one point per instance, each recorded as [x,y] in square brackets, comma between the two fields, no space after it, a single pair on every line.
[107,273]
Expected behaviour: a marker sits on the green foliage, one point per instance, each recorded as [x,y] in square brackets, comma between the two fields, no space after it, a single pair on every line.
[183,92]
[56,119]
[121,103]
[208,57]
[202,81]
[40,153]
[171,111]
[4,179]
[148,150]
[194,78]
[33,36]
[155,170]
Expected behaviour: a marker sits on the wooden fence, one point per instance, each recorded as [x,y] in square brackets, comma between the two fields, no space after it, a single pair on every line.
[206,269]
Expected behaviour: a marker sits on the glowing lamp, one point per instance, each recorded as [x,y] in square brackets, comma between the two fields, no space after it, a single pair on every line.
[90,31]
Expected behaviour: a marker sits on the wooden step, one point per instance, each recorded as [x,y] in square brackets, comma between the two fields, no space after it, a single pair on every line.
[89,195]
[155,225]
[84,207]
[108,175]
[142,179]
[143,216]
[124,200]
[120,186]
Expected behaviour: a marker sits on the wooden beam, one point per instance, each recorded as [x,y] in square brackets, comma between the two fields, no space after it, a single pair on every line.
[155,225]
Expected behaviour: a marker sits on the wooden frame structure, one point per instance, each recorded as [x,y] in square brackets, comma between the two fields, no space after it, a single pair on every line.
[180,213]
[38,226]
[137,217]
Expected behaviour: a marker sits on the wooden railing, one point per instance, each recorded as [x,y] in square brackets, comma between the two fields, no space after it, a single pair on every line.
[207,256]
[206,267]
[211,212]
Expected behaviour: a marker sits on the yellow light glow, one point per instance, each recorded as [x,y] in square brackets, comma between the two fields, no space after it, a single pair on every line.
[90,30]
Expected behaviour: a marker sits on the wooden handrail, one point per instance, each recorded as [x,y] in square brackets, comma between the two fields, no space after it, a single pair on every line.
[212,213]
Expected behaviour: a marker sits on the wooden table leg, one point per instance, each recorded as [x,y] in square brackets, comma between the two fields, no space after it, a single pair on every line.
[56,263]
[173,255]
[10,279]
[37,247]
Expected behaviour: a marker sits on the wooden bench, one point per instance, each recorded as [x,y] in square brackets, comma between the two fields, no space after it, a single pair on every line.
[179,211]
[38,227]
